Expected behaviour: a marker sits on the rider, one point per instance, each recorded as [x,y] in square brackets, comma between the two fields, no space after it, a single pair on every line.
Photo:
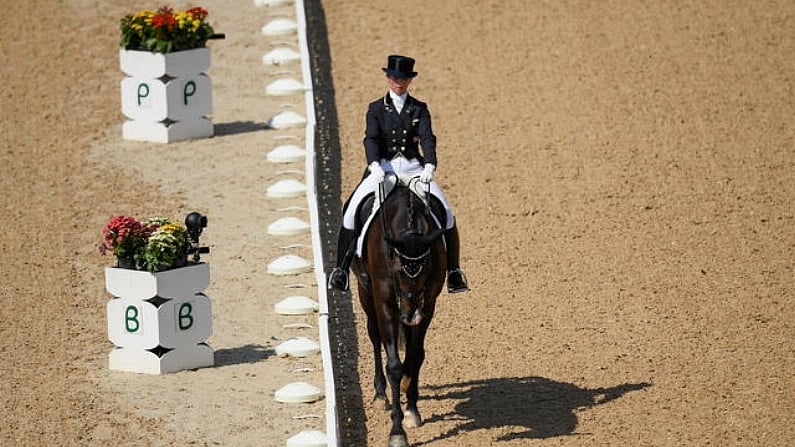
[397,126]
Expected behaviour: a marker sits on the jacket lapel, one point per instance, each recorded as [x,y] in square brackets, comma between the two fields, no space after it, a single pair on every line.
[405,114]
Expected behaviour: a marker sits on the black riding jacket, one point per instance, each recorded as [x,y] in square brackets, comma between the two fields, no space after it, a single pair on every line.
[389,135]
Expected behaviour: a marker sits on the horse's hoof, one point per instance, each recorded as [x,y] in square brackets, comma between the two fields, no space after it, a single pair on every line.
[398,441]
[411,419]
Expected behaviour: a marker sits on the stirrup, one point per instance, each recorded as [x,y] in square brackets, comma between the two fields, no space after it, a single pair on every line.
[338,279]
[456,281]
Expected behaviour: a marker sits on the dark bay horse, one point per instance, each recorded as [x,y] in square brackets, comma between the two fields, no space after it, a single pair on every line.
[400,274]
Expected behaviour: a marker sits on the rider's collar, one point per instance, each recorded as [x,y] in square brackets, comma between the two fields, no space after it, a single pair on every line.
[397,101]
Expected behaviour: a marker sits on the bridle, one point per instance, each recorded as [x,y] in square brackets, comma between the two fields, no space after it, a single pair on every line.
[412,266]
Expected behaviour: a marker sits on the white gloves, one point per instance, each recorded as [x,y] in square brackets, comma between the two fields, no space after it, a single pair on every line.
[427,173]
[376,171]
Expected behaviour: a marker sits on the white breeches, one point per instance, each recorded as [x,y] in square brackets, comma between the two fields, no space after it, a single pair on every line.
[398,165]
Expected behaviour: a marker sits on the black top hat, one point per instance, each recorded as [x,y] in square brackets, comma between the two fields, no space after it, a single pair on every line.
[400,66]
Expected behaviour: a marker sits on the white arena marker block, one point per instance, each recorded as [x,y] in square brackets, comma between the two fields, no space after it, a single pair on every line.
[284,87]
[296,305]
[280,27]
[308,438]
[177,99]
[287,188]
[174,324]
[287,154]
[286,120]
[280,56]
[289,265]
[147,362]
[159,132]
[298,347]
[298,392]
[288,226]
[272,2]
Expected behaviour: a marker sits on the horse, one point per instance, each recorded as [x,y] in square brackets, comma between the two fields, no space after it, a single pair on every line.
[400,274]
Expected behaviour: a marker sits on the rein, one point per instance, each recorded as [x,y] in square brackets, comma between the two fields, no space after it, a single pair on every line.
[381,201]
[410,266]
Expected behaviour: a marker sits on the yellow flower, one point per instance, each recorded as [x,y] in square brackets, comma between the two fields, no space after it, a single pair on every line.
[172,228]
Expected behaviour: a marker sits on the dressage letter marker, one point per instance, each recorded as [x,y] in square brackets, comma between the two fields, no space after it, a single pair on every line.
[166,96]
[159,322]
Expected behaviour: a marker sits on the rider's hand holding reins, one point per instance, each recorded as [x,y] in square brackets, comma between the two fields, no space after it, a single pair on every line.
[427,173]
[376,171]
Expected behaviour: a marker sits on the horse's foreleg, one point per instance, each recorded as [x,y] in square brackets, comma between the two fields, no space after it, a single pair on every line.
[397,435]
[379,379]
[415,357]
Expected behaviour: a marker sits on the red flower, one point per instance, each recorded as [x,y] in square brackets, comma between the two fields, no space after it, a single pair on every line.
[122,235]
[197,12]
[164,20]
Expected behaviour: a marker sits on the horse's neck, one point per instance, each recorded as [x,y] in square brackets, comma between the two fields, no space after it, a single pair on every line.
[406,209]
[413,184]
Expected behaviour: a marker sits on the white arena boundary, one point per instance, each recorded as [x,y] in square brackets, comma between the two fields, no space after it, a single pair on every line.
[317,250]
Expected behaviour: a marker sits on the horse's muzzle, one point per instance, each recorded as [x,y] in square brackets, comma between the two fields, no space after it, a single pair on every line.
[412,320]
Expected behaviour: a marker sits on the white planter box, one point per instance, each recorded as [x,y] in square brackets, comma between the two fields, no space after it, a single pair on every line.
[154,65]
[160,321]
[167,132]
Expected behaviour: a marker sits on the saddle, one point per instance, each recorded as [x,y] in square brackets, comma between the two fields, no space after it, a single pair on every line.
[369,206]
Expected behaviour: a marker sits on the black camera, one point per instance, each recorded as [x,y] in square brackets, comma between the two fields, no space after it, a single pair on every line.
[195,223]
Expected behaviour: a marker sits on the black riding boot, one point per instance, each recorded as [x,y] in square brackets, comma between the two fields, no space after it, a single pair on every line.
[338,278]
[456,281]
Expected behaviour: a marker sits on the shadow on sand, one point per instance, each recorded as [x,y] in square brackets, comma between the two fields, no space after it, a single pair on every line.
[245,354]
[237,127]
[543,408]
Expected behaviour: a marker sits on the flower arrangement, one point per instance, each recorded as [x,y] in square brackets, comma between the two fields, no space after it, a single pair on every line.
[166,30]
[123,236]
[155,244]
[166,248]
